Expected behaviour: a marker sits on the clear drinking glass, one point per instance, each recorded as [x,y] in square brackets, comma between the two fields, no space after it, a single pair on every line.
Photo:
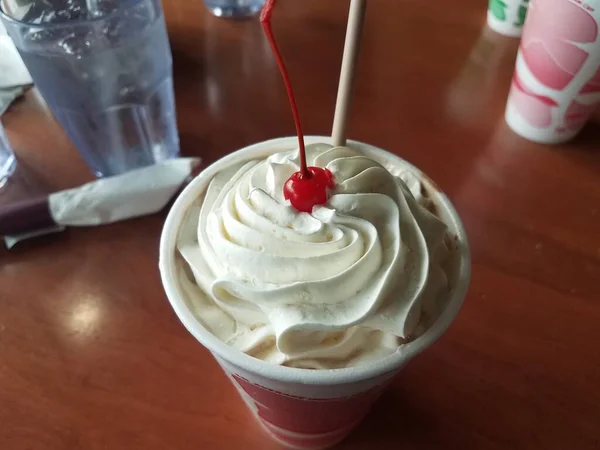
[234,8]
[7,158]
[105,69]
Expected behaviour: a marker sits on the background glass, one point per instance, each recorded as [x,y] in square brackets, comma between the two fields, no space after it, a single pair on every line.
[234,8]
[105,69]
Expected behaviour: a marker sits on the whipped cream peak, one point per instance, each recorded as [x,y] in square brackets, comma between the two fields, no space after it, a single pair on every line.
[306,289]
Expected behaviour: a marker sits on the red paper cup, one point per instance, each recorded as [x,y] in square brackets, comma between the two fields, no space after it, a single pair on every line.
[556,85]
[301,408]
[305,416]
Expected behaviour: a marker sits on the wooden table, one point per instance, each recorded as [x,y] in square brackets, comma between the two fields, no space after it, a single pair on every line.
[92,357]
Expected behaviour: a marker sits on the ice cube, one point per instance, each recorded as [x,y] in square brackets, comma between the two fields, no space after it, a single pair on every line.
[107,7]
[72,10]
[78,44]
[40,36]
[60,11]
[128,24]
[54,11]
[36,12]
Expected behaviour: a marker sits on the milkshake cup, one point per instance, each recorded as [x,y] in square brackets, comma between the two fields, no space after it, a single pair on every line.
[305,408]
[556,83]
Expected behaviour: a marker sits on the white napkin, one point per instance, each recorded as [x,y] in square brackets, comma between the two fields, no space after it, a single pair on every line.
[14,77]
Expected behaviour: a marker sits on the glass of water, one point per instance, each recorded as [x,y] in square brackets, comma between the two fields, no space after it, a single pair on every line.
[234,8]
[105,69]
[7,158]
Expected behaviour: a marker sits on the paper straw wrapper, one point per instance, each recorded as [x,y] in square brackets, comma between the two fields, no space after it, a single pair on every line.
[126,196]
[556,83]
[301,408]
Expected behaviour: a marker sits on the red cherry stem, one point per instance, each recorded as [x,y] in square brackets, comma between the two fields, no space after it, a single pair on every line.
[265,20]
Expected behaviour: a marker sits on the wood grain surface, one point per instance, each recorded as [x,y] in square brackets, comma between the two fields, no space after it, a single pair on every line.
[92,356]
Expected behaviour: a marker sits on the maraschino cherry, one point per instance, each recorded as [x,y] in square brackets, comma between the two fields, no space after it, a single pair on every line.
[310,185]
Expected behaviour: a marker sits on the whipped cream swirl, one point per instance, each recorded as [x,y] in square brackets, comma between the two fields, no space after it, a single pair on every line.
[340,286]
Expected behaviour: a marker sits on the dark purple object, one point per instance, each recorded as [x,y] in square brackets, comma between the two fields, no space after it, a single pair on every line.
[26,216]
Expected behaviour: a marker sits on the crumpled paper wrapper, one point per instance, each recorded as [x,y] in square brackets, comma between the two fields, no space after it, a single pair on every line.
[133,194]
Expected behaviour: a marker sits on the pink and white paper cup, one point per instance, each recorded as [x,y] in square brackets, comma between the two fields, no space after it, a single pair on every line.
[301,408]
[556,83]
